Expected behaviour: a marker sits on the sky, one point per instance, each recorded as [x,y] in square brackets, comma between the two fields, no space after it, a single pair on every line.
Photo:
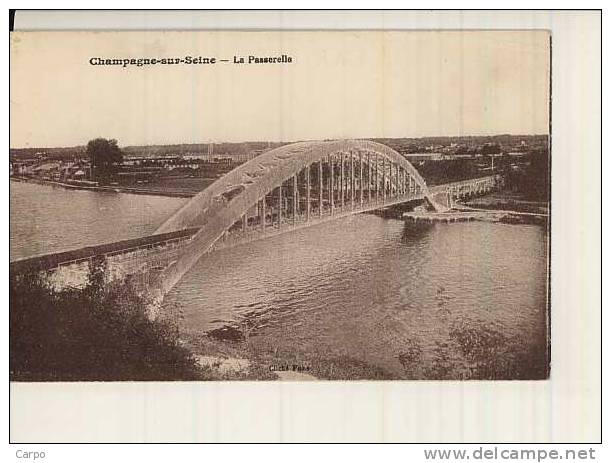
[350,84]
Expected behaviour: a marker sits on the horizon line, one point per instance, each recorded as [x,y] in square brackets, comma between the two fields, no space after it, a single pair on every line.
[292,141]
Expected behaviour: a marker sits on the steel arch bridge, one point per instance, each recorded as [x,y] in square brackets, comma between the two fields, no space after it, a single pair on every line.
[293,186]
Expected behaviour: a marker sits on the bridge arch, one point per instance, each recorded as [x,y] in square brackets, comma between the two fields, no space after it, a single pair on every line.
[228,199]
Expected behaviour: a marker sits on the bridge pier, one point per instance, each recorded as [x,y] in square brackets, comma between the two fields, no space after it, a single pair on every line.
[263,213]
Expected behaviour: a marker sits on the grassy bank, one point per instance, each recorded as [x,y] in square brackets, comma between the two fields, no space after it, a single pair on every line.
[98,333]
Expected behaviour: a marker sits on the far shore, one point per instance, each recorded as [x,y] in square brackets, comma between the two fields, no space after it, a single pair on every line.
[171,187]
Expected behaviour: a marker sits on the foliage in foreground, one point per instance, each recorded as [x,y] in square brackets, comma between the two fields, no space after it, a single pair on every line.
[97,333]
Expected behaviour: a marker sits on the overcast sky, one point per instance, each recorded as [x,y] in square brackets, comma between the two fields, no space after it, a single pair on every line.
[339,85]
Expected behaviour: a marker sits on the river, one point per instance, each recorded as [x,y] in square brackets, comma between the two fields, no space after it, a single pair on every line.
[45,219]
[360,297]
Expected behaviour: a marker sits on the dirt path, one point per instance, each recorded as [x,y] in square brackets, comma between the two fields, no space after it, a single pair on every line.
[295,376]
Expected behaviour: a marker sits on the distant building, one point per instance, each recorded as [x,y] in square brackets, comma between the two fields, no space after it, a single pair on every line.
[418,157]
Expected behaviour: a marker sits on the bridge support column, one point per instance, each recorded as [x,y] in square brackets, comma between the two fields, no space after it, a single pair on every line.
[320,184]
[263,213]
[342,182]
[369,177]
[307,174]
[383,180]
[331,185]
[361,177]
[280,206]
[397,170]
[391,179]
[294,199]
[298,197]
[377,179]
[396,180]
[351,180]
[399,180]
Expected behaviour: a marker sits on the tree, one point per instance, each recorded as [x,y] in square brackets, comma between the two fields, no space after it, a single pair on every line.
[105,156]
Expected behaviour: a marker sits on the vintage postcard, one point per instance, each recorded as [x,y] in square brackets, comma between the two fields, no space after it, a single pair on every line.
[280,206]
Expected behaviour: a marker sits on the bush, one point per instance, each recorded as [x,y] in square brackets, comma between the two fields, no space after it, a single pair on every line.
[101,332]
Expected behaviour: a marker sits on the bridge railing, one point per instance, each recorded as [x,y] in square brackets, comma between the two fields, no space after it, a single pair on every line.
[75,256]
[469,182]
[255,228]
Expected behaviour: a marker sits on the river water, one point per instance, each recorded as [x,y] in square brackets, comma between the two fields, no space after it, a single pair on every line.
[45,219]
[360,297]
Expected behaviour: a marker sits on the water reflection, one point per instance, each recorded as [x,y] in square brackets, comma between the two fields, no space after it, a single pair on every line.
[414,231]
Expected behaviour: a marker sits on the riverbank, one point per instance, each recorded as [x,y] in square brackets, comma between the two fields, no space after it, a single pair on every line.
[467,214]
[507,207]
[171,188]
[224,355]
[474,350]
[499,206]
[104,332]
[507,201]
[496,210]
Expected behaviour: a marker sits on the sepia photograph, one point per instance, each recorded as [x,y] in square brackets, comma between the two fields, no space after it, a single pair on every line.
[280,206]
